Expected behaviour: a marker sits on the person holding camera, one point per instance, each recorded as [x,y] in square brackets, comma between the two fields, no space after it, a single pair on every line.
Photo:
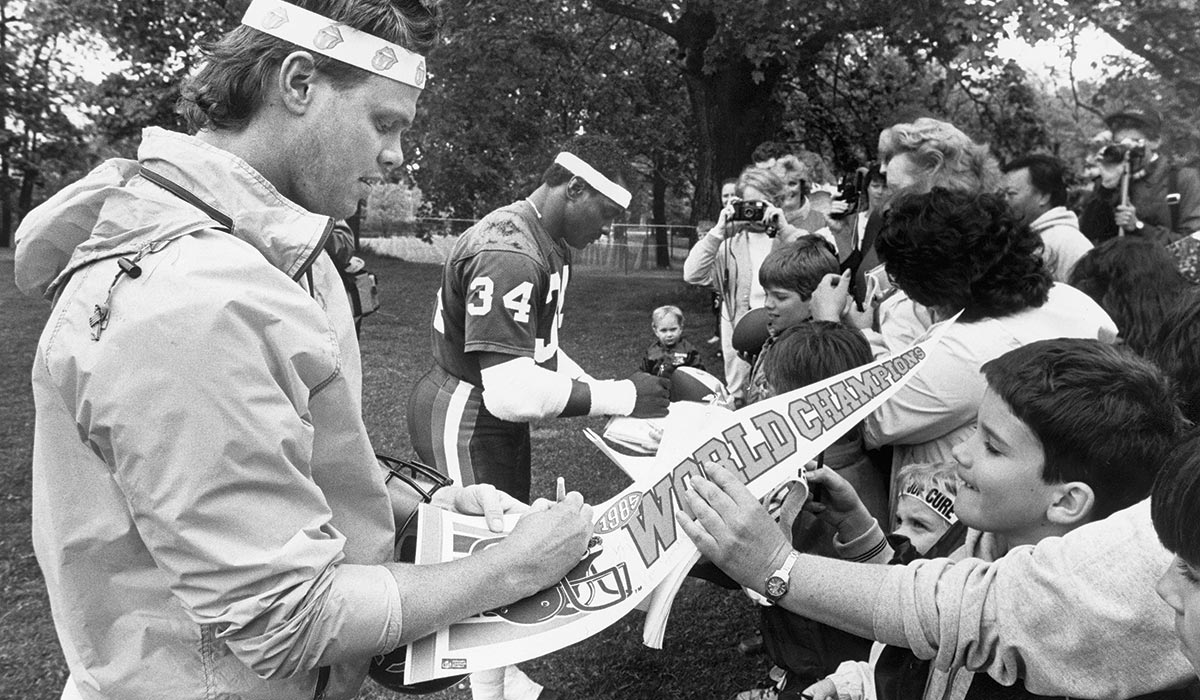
[1138,193]
[729,255]
[859,194]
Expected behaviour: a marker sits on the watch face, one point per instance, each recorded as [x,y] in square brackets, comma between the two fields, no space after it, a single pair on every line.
[776,587]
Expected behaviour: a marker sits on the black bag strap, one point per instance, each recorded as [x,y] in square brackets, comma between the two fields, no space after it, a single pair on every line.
[179,191]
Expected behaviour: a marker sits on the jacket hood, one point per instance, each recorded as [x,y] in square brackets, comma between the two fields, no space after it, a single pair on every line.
[1058,216]
[104,214]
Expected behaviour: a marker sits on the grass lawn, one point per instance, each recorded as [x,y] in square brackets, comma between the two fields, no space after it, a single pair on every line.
[606,329]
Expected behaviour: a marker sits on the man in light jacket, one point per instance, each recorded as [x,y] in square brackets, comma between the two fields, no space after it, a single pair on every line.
[1036,189]
[209,514]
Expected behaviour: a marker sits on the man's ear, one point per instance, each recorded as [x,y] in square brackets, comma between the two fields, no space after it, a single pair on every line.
[1072,504]
[576,187]
[296,77]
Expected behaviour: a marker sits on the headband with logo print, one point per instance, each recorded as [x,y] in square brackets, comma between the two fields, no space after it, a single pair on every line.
[595,178]
[309,30]
[935,499]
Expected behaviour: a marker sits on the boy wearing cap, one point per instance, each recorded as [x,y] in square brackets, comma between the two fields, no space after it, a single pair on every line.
[497,360]
[1164,199]
[209,515]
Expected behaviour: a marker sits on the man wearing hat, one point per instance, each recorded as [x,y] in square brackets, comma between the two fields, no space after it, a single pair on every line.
[1163,202]
[208,512]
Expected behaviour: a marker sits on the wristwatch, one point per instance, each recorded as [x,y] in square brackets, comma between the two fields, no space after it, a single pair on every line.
[1139,225]
[777,582]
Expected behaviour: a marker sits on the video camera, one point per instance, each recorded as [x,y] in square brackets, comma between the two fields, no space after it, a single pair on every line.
[1116,153]
[851,190]
[749,210]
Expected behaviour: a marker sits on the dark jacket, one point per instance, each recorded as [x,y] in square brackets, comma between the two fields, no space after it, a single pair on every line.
[1148,195]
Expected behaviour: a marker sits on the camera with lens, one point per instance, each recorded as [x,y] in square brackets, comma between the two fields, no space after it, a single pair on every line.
[1115,153]
[749,210]
[852,187]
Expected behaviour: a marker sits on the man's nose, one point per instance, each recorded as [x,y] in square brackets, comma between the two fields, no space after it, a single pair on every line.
[391,157]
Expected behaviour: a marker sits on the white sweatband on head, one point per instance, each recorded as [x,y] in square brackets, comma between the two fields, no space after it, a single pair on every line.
[934,499]
[309,30]
[595,178]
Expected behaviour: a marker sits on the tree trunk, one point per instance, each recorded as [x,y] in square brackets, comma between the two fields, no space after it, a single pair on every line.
[29,177]
[732,115]
[6,214]
[658,184]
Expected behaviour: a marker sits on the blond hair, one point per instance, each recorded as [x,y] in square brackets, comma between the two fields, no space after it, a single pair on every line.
[662,312]
[945,155]
[942,476]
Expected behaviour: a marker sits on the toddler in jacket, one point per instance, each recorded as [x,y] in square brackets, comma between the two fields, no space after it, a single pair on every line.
[669,349]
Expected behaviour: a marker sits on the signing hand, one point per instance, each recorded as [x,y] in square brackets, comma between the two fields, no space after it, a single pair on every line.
[732,529]
[548,541]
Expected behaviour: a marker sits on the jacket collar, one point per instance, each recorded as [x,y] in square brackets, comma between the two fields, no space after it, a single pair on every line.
[286,234]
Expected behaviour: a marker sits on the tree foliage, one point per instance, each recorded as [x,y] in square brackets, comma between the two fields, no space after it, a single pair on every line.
[690,87]
[514,80]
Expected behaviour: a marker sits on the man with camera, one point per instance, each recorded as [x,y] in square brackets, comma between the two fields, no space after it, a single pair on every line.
[1138,193]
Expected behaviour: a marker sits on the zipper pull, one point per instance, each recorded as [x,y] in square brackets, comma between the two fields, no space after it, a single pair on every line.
[99,320]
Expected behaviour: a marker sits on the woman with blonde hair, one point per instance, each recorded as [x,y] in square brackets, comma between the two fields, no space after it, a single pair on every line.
[729,255]
[928,153]
[797,205]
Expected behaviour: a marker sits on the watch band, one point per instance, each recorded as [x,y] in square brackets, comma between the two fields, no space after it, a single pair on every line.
[778,582]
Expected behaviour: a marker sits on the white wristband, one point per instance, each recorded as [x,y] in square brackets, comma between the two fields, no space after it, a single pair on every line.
[612,397]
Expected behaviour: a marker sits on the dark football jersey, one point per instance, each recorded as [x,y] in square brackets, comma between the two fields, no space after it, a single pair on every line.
[502,291]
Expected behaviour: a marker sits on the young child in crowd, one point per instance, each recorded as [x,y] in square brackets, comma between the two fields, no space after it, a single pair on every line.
[669,349]
[1069,431]
[788,276]
[924,510]
[800,354]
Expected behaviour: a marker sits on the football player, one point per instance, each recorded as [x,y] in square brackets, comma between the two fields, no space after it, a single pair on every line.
[497,360]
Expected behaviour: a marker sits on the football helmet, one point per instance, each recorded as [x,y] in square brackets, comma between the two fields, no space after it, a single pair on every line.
[388,671]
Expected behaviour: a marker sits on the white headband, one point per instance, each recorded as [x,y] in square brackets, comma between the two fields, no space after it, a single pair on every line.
[311,31]
[595,178]
[933,499]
